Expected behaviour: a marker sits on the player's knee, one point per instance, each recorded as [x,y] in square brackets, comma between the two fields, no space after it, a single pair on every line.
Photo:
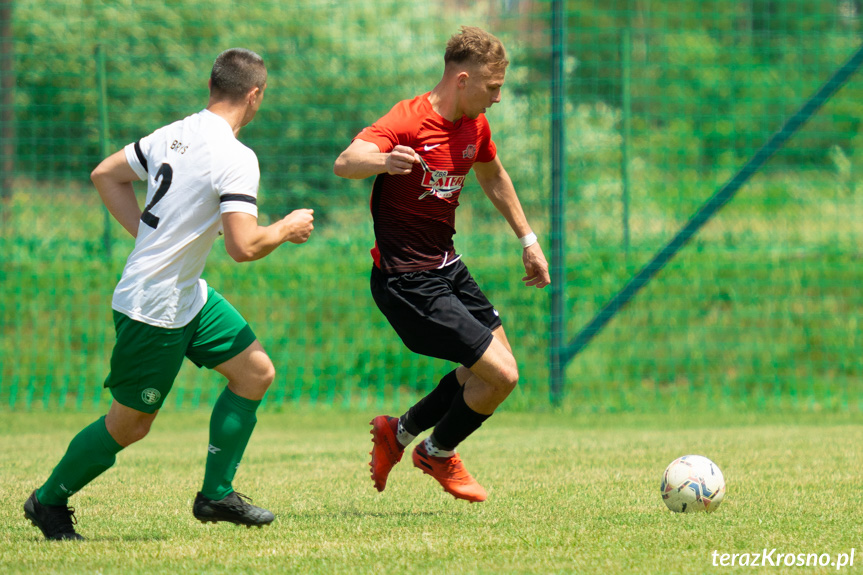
[131,431]
[141,429]
[268,375]
[265,374]
[509,377]
[128,425]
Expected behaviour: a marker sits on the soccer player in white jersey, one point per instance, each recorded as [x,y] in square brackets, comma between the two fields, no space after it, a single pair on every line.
[201,182]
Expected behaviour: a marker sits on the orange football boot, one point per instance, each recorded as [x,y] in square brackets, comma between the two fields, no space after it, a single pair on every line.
[450,473]
[387,450]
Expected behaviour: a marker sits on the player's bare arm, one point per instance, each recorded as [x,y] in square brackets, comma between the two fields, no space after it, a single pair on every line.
[497,185]
[113,179]
[363,159]
[246,241]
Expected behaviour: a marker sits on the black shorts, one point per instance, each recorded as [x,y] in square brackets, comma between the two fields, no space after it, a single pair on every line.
[440,313]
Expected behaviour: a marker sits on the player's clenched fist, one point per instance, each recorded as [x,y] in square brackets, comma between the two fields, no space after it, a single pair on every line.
[300,225]
[401,160]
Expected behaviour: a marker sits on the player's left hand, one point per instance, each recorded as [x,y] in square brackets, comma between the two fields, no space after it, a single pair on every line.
[535,267]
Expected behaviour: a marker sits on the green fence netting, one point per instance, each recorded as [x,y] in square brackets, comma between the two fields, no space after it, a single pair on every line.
[663,103]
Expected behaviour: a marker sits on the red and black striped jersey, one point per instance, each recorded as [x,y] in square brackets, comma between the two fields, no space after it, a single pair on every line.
[414,214]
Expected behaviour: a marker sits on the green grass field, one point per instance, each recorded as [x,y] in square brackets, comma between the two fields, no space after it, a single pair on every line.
[566,495]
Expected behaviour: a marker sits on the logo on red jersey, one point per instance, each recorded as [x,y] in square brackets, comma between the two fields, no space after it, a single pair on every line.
[438,182]
[441,184]
[469,152]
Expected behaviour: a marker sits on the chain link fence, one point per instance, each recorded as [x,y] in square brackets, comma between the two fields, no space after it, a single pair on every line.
[662,103]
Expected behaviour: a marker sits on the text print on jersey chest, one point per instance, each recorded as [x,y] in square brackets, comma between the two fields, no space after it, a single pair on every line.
[178,147]
[439,182]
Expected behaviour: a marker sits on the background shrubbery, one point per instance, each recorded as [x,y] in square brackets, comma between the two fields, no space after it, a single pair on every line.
[761,311]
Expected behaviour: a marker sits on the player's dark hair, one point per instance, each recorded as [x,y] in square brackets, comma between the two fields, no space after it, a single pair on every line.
[476,46]
[235,72]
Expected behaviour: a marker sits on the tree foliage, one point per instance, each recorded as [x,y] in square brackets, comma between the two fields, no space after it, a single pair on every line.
[709,80]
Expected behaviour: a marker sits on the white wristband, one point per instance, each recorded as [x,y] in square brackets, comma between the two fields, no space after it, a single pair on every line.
[528,240]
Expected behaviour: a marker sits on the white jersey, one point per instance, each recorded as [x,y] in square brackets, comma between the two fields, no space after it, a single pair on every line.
[196,170]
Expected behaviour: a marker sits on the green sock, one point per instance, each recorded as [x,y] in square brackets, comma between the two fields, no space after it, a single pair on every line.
[90,453]
[231,427]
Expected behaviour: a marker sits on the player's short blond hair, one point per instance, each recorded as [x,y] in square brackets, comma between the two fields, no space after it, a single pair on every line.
[476,46]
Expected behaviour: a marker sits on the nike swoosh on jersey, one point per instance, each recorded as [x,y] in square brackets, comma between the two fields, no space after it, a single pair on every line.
[427,147]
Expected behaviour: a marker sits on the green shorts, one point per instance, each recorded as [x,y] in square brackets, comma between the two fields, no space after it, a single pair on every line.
[146,358]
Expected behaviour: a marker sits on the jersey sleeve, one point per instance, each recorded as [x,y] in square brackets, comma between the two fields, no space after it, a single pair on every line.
[487,148]
[397,127]
[237,183]
[136,155]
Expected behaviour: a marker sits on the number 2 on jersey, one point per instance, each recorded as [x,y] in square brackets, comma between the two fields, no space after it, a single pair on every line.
[166,173]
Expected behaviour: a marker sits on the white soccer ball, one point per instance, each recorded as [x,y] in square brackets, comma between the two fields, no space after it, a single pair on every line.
[692,483]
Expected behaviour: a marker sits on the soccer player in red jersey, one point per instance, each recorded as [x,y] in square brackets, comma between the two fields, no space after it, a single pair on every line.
[421,152]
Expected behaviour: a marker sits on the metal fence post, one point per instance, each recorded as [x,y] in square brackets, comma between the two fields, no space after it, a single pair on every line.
[626,136]
[558,193]
[103,136]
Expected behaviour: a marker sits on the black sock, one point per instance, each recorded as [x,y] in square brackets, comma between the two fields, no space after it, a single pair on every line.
[458,422]
[429,410]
